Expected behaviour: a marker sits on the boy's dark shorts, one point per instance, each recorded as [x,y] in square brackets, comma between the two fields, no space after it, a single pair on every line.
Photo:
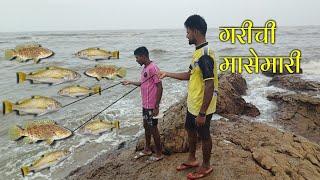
[203,131]
[148,118]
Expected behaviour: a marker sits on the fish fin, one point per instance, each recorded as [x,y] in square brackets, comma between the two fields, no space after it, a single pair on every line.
[46,121]
[20,59]
[25,170]
[53,67]
[92,58]
[21,113]
[15,132]
[121,72]
[57,83]
[37,97]
[36,82]
[10,54]
[21,77]
[28,140]
[7,107]
[36,60]
[96,89]
[30,124]
[30,45]
[22,100]
[115,54]
[98,78]
[41,114]
[97,48]
[116,124]
[50,141]
[106,66]
[35,72]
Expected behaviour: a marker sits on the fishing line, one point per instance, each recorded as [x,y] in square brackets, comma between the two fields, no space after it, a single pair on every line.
[90,95]
[112,104]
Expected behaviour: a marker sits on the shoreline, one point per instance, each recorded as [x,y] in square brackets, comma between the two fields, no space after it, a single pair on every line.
[241,149]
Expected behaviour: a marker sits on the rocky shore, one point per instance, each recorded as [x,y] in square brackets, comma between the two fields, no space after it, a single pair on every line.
[242,149]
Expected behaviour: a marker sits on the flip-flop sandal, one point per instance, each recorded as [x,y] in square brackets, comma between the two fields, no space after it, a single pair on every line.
[142,154]
[154,158]
[198,175]
[184,166]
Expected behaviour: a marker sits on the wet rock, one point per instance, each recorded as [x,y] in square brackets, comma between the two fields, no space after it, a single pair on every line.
[299,113]
[294,83]
[241,150]
[231,87]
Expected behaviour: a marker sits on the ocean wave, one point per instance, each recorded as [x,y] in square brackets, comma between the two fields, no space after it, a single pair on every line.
[24,37]
[227,49]
[159,51]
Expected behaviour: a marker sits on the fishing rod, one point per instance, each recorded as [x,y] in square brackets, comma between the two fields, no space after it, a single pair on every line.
[112,104]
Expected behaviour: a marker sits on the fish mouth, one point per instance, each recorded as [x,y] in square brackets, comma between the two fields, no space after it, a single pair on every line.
[67,134]
[59,106]
[60,92]
[78,76]
[67,152]
[87,73]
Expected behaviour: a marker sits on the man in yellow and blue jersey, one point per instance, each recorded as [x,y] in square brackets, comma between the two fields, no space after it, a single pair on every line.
[202,96]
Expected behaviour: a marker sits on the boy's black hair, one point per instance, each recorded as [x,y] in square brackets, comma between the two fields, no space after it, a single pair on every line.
[141,51]
[196,22]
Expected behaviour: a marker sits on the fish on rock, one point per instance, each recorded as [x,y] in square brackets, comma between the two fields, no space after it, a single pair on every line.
[106,71]
[23,53]
[96,53]
[99,126]
[37,105]
[50,75]
[47,160]
[39,130]
[78,91]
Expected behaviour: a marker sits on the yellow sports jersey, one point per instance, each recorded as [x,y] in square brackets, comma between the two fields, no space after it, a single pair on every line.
[203,67]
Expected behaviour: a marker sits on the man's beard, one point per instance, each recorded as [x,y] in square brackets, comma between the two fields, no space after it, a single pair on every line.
[192,41]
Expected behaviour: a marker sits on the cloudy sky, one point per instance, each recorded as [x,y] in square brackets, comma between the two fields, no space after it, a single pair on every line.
[55,15]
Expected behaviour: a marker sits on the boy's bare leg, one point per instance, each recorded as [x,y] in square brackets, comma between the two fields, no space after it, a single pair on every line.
[147,135]
[157,141]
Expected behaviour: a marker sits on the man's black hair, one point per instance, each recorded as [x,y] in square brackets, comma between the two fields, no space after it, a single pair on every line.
[141,51]
[196,22]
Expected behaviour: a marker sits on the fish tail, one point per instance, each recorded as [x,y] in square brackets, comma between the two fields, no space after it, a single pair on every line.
[25,170]
[115,54]
[36,60]
[96,89]
[116,124]
[15,132]
[7,107]
[9,54]
[122,72]
[21,77]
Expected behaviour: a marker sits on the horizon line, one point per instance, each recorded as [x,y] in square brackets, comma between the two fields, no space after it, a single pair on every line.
[122,29]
